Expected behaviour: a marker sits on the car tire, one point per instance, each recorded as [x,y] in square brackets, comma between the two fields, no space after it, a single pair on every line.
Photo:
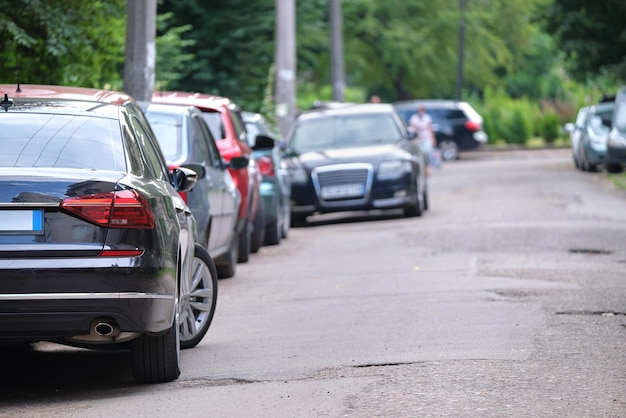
[425,198]
[243,254]
[416,209]
[273,234]
[286,223]
[613,168]
[258,233]
[156,358]
[227,264]
[198,300]
[449,150]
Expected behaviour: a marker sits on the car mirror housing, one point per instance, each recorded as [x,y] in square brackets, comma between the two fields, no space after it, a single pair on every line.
[238,163]
[198,168]
[184,179]
[411,132]
[264,142]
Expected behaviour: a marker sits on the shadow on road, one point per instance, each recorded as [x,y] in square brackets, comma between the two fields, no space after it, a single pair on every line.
[42,371]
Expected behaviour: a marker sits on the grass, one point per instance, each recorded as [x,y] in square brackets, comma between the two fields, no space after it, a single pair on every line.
[618,179]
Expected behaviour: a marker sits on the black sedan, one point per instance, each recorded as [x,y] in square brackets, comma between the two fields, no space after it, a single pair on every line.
[354,157]
[96,246]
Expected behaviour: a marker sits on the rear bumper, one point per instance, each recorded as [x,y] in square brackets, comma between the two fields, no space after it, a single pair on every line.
[45,299]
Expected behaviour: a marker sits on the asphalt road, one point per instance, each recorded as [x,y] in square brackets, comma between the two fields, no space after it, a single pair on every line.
[506,299]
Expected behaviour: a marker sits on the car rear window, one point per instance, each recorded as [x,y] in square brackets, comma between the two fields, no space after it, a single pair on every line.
[215,124]
[61,141]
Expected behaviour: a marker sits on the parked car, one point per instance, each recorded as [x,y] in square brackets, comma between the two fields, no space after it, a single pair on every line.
[96,245]
[616,142]
[223,117]
[458,127]
[575,131]
[593,136]
[275,186]
[186,141]
[354,157]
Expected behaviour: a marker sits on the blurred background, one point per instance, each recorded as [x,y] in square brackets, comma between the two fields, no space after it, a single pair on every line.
[526,66]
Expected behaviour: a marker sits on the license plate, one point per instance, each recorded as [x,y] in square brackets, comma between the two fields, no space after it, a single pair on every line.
[342,191]
[21,221]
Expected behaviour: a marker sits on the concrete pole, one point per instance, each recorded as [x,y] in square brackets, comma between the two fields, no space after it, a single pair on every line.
[285,94]
[461,51]
[336,51]
[140,55]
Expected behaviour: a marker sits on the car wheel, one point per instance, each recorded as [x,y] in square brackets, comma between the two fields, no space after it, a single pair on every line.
[416,209]
[156,358]
[227,264]
[273,233]
[198,299]
[613,168]
[286,223]
[449,150]
[243,254]
[258,233]
[425,198]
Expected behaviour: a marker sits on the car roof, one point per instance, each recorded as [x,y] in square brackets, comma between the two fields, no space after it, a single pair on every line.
[168,108]
[40,98]
[348,109]
[199,100]
[43,91]
[430,103]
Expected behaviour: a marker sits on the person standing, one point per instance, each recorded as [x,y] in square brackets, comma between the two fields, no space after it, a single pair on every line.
[422,123]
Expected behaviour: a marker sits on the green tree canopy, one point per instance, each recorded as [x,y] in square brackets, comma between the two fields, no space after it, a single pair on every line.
[592,35]
[73,42]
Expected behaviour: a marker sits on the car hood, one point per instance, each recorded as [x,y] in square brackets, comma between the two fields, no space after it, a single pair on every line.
[372,154]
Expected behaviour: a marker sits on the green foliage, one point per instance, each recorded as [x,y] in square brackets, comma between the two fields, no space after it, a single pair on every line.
[172,60]
[591,35]
[550,127]
[74,42]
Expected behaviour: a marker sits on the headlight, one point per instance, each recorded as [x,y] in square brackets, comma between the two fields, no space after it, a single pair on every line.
[393,169]
[298,175]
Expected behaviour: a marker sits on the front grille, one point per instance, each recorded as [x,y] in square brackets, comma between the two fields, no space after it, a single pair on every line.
[343,182]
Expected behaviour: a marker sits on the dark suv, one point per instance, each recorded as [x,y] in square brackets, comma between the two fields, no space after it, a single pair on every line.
[457,126]
[616,142]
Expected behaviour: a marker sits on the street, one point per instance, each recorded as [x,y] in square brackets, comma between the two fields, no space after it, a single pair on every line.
[507,298]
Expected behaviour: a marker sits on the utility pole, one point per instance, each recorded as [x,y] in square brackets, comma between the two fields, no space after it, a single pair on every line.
[461,50]
[140,55]
[336,51]
[285,94]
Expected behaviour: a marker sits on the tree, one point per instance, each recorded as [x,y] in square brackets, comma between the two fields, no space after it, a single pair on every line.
[73,42]
[592,35]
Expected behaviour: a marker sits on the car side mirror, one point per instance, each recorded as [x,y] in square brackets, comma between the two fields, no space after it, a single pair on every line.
[183,179]
[200,169]
[237,163]
[263,142]
[411,132]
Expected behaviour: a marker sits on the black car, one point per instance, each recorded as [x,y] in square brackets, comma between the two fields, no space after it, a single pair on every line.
[354,157]
[96,246]
[458,127]
[186,141]
[275,186]
[616,142]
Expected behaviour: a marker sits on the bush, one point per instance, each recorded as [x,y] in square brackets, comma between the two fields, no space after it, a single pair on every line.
[550,127]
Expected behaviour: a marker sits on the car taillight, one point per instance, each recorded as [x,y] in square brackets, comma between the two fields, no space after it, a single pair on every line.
[266,165]
[121,209]
[472,125]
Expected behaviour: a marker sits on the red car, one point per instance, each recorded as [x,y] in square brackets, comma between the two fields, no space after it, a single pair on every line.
[223,117]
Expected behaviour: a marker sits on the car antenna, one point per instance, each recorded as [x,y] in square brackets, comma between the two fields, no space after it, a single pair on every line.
[6,103]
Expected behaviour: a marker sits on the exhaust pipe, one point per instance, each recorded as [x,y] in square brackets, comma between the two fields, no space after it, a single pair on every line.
[105,328]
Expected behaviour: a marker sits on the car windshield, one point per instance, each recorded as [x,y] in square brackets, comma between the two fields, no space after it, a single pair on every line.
[167,129]
[601,121]
[61,141]
[345,131]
